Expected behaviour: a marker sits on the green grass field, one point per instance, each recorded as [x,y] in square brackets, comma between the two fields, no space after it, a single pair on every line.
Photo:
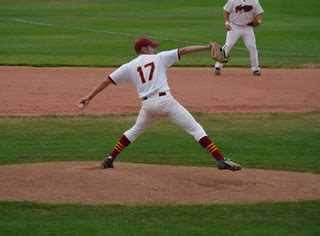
[301,218]
[101,33]
[269,141]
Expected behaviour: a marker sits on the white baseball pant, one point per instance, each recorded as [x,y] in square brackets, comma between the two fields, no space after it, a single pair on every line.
[248,36]
[156,107]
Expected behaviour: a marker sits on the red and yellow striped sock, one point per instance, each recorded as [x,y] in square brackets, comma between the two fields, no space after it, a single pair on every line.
[120,146]
[206,143]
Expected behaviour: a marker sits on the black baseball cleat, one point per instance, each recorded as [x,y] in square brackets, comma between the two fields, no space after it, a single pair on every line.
[107,163]
[227,164]
[217,70]
[256,73]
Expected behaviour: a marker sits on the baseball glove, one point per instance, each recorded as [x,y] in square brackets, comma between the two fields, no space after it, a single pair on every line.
[255,22]
[218,53]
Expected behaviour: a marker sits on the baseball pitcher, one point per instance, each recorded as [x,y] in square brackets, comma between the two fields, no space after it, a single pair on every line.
[147,73]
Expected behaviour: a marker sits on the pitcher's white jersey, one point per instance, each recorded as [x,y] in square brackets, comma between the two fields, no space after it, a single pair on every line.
[242,12]
[147,72]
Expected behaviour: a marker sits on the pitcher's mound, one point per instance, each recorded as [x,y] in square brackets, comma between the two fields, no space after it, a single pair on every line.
[131,184]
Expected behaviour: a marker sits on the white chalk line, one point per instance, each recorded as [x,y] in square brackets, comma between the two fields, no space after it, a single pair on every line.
[151,36]
[95,30]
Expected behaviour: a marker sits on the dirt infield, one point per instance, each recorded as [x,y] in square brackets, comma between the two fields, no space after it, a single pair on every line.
[131,184]
[28,91]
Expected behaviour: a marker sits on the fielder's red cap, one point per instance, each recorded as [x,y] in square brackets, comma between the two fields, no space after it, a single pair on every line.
[145,42]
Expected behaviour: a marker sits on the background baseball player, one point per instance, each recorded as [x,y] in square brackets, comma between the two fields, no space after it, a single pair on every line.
[148,74]
[240,18]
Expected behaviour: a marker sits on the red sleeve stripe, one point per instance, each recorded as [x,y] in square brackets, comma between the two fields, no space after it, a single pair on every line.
[111,80]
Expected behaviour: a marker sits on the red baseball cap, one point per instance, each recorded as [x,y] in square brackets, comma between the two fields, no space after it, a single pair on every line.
[144,42]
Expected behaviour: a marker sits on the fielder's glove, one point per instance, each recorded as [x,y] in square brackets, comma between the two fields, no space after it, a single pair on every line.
[218,53]
[255,22]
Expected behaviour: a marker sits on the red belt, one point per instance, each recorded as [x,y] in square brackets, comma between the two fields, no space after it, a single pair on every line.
[160,94]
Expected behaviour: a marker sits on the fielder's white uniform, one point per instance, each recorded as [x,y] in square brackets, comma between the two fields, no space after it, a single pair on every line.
[148,74]
[242,12]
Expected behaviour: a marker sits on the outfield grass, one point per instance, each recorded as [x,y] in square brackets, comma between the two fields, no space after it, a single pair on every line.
[262,219]
[101,33]
[267,141]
